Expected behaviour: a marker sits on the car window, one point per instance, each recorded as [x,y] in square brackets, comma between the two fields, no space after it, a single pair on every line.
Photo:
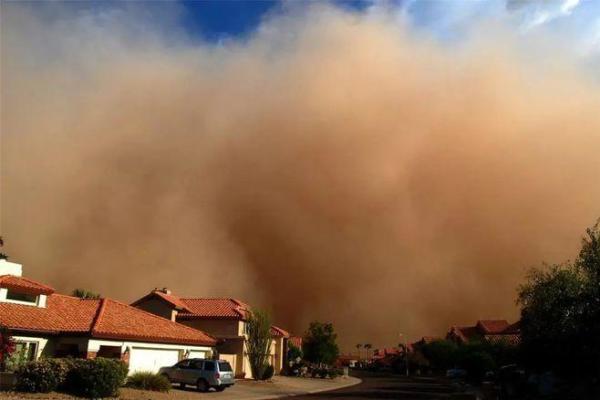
[209,366]
[183,364]
[196,364]
[224,366]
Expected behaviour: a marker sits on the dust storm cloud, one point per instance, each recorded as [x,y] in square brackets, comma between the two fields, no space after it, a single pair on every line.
[332,166]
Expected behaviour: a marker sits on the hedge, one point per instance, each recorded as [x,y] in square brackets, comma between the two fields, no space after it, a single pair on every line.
[100,377]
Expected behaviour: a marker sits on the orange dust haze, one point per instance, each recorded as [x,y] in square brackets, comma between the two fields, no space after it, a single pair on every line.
[332,166]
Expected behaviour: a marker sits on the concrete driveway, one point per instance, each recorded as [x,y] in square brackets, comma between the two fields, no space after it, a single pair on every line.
[249,390]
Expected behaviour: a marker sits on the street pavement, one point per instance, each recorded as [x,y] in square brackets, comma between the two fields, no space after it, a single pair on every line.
[388,386]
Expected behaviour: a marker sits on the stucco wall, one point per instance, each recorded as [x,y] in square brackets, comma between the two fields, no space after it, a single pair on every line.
[215,327]
[157,307]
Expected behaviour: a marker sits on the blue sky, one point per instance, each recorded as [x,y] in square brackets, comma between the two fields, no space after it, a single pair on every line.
[576,21]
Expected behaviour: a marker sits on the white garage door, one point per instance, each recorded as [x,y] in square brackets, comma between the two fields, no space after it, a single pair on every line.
[197,354]
[151,359]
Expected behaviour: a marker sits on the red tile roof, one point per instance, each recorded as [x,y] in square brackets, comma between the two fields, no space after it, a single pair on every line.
[61,314]
[512,339]
[490,330]
[24,285]
[119,320]
[278,332]
[169,298]
[226,308]
[103,318]
[296,341]
[492,326]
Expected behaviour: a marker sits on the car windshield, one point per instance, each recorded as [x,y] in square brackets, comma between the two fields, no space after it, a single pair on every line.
[224,366]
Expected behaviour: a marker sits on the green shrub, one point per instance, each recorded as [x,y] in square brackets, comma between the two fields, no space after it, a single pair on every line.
[41,376]
[149,381]
[335,372]
[100,377]
[477,363]
[268,372]
[319,373]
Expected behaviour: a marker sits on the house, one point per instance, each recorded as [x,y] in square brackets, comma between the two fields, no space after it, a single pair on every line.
[494,330]
[45,323]
[296,341]
[224,318]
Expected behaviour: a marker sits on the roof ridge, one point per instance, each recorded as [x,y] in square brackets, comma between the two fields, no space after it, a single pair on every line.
[98,315]
[159,318]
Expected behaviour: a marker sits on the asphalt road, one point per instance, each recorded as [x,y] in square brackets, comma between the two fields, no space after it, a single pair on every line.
[387,386]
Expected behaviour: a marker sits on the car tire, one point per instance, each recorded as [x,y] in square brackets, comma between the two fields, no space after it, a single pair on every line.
[181,385]
[220,388]
[202,385]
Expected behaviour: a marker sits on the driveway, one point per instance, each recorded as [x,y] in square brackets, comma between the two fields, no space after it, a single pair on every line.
[249,390]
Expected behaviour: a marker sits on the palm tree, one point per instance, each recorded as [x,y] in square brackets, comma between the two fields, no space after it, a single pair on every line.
[358,346]
[368,346]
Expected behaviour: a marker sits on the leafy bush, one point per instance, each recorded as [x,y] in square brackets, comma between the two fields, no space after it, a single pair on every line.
[294,352]
[41,376]
[268,373]
[476,363]
[335,372]
[441,354]
[149,381]
[319,372]
[100,377]
[7,343]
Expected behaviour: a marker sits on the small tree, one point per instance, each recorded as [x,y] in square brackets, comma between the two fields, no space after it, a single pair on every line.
[7,346]
[358,346]
[319,343]
[85,294]
[441,354]
[367,347]
[259,342]
[560,314]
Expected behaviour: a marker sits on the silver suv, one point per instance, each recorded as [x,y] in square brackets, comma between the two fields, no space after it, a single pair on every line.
[204,374]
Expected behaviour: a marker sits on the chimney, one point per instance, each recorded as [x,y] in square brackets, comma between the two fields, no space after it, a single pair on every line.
[10,268]
[165,290]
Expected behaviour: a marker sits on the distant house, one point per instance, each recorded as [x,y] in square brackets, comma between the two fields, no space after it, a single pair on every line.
[295,341]
[45,323]
[494,330]
[223,318]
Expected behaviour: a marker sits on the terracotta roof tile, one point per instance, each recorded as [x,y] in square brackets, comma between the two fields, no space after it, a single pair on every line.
[61,314]
[103,318]
[169,298]
[296,341]
[119,320]
[278,332]
[24,285]
[215,308]
[492,326]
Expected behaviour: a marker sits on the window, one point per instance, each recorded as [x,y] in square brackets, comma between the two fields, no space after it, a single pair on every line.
[183,364]
[196,364]
[209,366]
[224,366]
[24,352]
[109,352]
[17,296]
